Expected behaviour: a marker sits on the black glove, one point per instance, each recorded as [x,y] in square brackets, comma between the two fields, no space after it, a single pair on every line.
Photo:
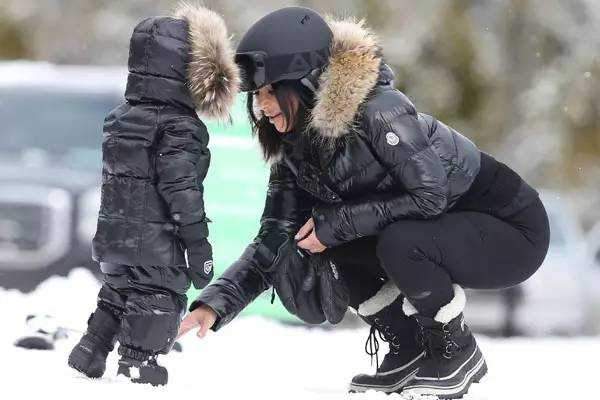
[323,277]
[335,295]
[309,285]
[294,280]
[199,254]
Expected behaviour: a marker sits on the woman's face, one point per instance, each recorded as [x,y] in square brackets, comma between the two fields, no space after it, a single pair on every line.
[267,102]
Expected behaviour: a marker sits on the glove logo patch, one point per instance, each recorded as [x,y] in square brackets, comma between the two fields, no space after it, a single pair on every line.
[208,266]
[392,138]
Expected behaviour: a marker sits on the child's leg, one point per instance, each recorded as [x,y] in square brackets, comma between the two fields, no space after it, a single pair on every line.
[155,304]
[103,325]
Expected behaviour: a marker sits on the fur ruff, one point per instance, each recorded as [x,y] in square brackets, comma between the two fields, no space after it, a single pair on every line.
[213,76]
[350,75]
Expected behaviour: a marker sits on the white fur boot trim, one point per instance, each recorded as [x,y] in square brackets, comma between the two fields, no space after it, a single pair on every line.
[454,308]
[383,298]
[408,308]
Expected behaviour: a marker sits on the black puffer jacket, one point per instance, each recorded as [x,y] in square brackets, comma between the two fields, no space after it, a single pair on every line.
[155,153]
[375,160]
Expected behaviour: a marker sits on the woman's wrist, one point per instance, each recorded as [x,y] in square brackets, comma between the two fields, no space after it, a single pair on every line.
[206,308]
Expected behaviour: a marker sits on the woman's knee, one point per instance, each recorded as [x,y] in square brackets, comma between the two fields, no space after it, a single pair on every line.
[402,248]
[410,255]
[405,239]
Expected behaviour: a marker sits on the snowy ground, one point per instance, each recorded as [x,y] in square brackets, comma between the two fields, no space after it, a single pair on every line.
[254,358]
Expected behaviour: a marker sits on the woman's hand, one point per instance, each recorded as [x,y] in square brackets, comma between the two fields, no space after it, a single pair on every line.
[203,316]
[308,238]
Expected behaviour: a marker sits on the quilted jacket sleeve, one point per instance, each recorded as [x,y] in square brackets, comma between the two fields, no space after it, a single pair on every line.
[182,161]
[286,208]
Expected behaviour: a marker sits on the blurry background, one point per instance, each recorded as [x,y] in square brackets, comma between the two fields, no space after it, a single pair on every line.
[519,77]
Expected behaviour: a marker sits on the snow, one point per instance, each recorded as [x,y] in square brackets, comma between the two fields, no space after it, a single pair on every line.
[255,358]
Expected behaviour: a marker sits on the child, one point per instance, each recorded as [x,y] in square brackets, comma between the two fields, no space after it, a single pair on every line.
[155,158]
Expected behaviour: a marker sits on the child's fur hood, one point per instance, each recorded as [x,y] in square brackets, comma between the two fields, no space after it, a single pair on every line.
[213,75]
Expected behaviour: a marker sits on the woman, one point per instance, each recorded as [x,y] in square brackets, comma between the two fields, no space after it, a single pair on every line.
[409,209]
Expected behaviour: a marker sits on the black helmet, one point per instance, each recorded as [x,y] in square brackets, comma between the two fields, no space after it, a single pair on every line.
[289,43]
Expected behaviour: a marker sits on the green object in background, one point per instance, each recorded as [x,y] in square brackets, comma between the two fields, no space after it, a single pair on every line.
[234,191]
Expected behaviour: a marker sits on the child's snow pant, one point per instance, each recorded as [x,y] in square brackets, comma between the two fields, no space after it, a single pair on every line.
[149,301]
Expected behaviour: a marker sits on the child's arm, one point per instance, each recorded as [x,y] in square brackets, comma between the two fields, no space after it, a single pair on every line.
[182,161]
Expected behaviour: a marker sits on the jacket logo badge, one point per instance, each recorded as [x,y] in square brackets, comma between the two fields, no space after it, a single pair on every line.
[392,138]
[208,265]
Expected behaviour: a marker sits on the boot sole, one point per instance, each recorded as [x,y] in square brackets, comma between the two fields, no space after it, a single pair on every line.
[393,388]
[456,391]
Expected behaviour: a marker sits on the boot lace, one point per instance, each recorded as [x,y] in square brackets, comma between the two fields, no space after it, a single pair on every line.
[437,342]
[372,343]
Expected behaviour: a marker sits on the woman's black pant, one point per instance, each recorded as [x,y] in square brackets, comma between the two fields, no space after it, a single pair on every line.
[425,257]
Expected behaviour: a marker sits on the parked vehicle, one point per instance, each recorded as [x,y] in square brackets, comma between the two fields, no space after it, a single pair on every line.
[50,164]
[593,240]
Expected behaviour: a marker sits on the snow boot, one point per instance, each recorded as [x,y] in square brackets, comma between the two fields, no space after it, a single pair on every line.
[453,361]
[141,367]
[384,313]
[89,355]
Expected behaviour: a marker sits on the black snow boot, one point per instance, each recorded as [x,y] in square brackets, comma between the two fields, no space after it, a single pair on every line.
[453,360]
[141,367]
[89,355]
[384,313]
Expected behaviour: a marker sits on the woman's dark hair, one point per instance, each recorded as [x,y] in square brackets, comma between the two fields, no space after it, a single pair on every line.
[268,137]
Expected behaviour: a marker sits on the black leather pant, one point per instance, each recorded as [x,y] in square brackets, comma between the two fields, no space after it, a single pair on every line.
[149,301]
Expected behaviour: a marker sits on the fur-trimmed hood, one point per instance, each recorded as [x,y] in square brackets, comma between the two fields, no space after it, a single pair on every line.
[184,60]
[213,76]
[352,72]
